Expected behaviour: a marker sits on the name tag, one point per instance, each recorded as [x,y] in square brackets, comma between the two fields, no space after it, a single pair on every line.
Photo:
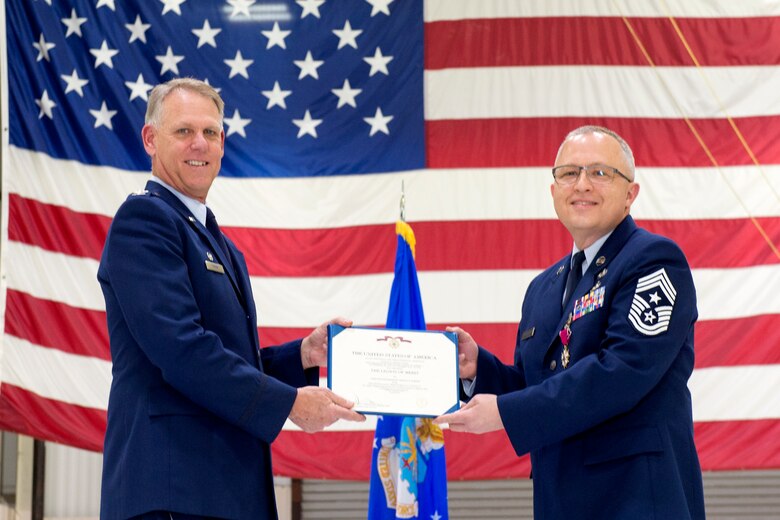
[213,266]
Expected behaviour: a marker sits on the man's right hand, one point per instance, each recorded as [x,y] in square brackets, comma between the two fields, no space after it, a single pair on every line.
[467,353]
[316,408]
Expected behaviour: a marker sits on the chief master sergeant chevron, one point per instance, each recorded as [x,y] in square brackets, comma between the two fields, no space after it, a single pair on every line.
[194,402]
[598,389]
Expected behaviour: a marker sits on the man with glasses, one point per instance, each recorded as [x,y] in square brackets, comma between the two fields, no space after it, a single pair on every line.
[598,390]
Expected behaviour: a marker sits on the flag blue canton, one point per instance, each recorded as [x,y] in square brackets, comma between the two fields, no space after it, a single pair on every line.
[311,87]
[408,466]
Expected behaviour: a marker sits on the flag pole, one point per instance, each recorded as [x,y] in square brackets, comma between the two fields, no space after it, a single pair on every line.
[403,202]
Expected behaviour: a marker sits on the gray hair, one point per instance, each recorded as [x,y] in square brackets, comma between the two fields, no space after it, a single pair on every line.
[593,129]
[161,91]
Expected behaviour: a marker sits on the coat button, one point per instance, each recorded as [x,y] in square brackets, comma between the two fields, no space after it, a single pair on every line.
[553,364]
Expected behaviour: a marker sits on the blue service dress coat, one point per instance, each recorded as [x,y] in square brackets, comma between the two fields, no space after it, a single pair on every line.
[610,435]
[194,401]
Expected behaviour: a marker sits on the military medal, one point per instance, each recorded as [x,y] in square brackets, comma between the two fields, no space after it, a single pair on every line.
[565,335]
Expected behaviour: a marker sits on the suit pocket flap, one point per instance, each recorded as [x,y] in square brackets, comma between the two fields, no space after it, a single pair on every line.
[166,401]
[606,446]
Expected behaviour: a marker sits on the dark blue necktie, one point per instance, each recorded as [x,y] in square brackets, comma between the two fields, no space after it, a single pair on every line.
[213,227]
[575,275]
[227,260]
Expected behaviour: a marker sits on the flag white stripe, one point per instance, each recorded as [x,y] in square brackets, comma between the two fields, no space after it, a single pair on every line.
[80,187]
[490,296]
[54,374]
[735,393]
[68,279]
[85,381]
[441,10]
[431,195]
[601,91]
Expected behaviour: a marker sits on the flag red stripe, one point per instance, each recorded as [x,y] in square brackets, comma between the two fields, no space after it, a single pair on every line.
[83,332]
[744,341]
[722,446]
[57,325]
[56,228]
[348,456]
[468,456]
[24,411]
[732,445]
[481,244]
[504,42]
[734,342]
[514,142]
[328,455]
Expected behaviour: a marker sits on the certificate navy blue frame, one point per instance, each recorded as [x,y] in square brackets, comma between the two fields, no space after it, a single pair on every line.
[335,330]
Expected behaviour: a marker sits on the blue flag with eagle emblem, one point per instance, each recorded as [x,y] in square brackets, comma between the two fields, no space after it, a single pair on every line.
[408,469]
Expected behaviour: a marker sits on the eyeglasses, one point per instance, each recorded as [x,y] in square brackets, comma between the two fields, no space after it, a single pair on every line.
[568,174]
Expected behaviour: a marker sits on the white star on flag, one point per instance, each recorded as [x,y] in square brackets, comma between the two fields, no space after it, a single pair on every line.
[240,7]
[310,7]
[137,29]
[276,96]
[139,88]
[43,49]
[378,122]
[170,61]
[103,116]
[308,66]
[45,104]
[347,35]
[73,23]
[238,65]
[74,83]
[106,3]
[380,6]
[104,55]
[207,35]
[236,124]
[276,36]
[346,94]
[172,5]
[307,125]
[378,62]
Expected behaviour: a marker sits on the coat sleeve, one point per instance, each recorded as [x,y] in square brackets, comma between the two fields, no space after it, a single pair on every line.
[624,368]
[284,363]
[145,271]
[495,377]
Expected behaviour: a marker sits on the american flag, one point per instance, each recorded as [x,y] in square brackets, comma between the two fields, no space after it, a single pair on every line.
[330,106]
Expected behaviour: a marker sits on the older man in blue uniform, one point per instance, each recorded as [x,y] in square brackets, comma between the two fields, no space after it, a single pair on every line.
[194,402]
[598,389]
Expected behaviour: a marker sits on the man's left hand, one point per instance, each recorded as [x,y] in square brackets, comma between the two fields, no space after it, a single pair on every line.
[479,415]
[314,348]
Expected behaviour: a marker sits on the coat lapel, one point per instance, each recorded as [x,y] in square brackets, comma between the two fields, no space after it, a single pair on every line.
[227,263]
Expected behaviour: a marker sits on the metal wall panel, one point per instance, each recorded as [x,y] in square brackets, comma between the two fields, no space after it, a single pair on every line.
[748,495]
[73,491]
[73,485]
[483,499]
[729,495]
[72,482]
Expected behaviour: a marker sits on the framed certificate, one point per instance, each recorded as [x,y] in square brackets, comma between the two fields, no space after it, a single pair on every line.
[394,372]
